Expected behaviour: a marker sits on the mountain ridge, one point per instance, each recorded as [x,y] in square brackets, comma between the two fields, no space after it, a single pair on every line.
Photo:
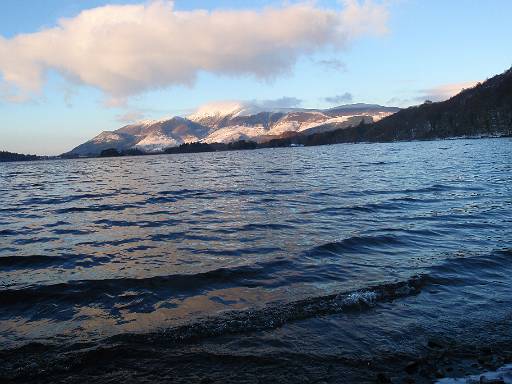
[484,110]
[232,122]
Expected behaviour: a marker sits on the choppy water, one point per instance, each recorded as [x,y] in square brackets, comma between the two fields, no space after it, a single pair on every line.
[345,252]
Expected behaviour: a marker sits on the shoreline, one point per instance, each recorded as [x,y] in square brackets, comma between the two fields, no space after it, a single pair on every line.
[175,151]
[439,362]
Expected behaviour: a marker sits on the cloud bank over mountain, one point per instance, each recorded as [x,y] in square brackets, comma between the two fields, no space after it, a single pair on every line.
[125,50]
[445,91]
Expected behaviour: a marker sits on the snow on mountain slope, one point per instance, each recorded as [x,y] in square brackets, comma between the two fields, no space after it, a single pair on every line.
[156,142]
[107,137]
[234,133]
[230,121]
[300,121]
[380,115]
[149,136]
[256,127]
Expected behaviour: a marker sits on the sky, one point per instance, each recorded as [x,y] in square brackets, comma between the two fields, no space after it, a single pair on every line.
[71,69]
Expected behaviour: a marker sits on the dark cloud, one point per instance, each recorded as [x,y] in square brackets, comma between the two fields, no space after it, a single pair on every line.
[333,64]
[339,99]
[283,102]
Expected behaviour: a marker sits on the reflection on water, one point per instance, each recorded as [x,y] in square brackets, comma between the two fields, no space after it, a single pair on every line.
[98,247]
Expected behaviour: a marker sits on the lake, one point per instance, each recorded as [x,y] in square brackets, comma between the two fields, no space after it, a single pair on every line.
[296,263]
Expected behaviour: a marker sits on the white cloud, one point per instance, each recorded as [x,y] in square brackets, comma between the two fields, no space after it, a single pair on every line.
[244,107]
[128,49]
[445,91]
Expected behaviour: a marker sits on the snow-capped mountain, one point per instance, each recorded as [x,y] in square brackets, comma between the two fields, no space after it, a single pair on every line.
[232,122]
[228,122]
[149,136]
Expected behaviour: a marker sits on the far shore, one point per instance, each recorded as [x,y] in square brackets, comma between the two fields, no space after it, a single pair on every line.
[198,147]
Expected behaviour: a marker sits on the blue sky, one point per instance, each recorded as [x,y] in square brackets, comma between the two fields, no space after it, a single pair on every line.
[430,48]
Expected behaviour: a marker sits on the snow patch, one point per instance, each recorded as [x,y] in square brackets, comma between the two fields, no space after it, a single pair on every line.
[235,133]
[106,137]
[156,142]
[149,122]
[380,115]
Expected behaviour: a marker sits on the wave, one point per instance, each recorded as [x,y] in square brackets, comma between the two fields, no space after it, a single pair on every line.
[11,209]
[366,208]
[34,240]
[461,268]
[392,204]
[177,195]
[97,208]
[234,252]
[420,190]
[8,232]
[264,226]
[183,192]
[451,272]
[44,261]
[91,290]
[259,192]
[29,261]
[357,243]
[274,316]
[66,199]
[109,223]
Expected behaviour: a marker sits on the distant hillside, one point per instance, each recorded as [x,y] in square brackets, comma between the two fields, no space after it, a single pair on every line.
[10,156]
[146,136]
[484,110]
[228,123]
